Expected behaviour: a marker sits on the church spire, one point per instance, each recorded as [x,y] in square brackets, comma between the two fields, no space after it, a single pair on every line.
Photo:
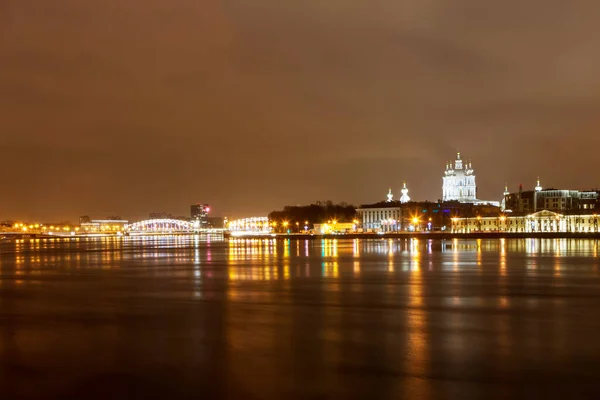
[405,198]
[458,164]
[506,193]
[538,187]
[390,196]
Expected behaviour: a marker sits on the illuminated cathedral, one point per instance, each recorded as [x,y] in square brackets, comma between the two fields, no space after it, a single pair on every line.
[459,182]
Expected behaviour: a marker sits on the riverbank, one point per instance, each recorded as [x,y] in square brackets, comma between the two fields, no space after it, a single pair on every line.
[429,235]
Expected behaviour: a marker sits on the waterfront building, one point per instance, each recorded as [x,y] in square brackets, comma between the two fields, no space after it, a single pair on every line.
[418,215]
[557,200]
[335,227]
[106,226]
[251,224]
[541,221]
[380,217]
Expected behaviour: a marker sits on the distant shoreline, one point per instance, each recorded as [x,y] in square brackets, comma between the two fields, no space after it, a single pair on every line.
[429,235]
[370,236]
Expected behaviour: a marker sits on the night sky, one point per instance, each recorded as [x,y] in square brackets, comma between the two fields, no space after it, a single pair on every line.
[132,106]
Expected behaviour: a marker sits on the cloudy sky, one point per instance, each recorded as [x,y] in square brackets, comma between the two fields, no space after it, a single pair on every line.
[128,107]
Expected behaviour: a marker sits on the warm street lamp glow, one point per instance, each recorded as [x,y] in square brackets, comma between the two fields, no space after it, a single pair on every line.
[415,220]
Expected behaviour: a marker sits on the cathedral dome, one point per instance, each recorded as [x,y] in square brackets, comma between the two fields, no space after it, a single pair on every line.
[459,182]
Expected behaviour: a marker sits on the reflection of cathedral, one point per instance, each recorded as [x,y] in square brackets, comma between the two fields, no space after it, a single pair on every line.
[459,182]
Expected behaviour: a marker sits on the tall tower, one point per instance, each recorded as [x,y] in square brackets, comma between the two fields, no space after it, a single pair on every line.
[459,182]
[199,214]
[404,198]
[538,188]
[503,202]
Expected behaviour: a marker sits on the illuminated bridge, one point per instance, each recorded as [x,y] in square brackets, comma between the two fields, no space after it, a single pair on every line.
[246,226]
[162,226]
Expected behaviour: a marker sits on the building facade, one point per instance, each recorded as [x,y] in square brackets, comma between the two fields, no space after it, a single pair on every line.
[338,227]
[419,215]
[556,200]
[103,226]
[459,182]
[199,214]
[541,221]
[380,217]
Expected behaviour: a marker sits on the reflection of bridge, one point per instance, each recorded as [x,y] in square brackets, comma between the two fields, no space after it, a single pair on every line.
[167,226]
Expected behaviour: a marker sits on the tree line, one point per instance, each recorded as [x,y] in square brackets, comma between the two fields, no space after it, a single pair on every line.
[318,212]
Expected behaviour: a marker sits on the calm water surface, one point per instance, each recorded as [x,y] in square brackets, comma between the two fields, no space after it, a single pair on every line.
[183,317]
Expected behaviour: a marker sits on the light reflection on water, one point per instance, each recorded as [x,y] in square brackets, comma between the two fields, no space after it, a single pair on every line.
[319,311]
[268,259]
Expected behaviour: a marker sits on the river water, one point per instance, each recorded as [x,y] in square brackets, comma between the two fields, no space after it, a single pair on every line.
[195,317]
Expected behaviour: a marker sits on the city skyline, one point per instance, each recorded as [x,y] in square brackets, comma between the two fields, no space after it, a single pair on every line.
[112,108]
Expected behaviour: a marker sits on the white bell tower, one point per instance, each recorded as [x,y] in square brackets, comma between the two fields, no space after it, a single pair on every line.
[404,198]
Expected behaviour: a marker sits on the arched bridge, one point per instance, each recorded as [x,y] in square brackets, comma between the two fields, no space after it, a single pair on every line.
[161,226]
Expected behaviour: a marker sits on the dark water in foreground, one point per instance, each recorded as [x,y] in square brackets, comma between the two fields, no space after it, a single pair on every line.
[333,319]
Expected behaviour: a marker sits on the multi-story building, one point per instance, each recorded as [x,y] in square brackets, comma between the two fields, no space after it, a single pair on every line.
[419,215]
[199,213]
[541,221]
[557,200]
[380,217]
[103,226]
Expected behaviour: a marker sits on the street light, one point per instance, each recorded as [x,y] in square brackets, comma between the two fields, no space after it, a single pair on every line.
[415,222]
